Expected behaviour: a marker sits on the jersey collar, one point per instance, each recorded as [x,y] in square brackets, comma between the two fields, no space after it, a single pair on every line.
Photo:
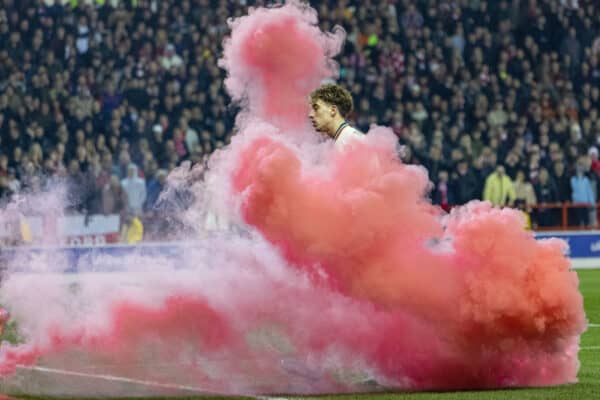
[339,130]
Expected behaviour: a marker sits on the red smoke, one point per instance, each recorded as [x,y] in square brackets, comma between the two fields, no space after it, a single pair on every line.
[275,58]
[366,229]
[348,279]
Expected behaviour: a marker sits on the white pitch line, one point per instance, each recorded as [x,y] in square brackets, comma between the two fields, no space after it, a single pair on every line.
[590,348]
[594,325]
[273,398]
[115,379]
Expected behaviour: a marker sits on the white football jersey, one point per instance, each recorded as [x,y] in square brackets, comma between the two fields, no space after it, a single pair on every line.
[347,135]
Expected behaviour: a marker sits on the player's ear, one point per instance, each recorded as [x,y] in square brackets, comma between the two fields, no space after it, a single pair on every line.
[333,111]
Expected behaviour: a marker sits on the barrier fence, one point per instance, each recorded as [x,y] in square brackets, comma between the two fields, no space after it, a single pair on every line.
[83,235]
[564,216]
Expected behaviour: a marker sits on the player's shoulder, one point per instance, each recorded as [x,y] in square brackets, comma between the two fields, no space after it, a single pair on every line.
[353,131]
[348,135]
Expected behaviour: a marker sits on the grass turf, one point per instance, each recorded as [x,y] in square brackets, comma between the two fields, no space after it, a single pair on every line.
[589,374]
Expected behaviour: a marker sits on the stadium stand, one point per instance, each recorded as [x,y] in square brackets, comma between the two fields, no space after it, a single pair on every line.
[499,100]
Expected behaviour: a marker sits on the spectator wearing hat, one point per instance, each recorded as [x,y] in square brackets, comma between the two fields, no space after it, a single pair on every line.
[593,153]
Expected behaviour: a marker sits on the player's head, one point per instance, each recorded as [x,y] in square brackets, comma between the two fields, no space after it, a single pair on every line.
[330,104]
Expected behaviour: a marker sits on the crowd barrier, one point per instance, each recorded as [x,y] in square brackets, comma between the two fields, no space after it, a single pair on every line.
[89,258]
[584,252]
[563,216]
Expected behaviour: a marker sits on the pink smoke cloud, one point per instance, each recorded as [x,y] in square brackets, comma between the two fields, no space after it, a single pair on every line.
[487,284]
[276,57]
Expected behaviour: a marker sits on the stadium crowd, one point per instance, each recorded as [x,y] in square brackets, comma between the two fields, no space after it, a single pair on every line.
[500,100]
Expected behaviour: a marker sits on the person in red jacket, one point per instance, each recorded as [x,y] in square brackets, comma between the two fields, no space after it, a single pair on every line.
[593,153]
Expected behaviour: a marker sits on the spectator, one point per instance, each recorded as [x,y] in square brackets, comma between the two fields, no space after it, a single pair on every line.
[114,198]
[499,189]
[465,183]
[443,193]
[524,190]
[179,143]
[593,153]
[434,162]
[412,19]
[513,164]
[122,168]
[132,230]
[497,117]
[135,188]
[562,182]
[190,134]
[546,194]
[77,187]
[582,194]
[170,60]
[155,186]
[520,205]
[571,47]
[3,165]
[13,184]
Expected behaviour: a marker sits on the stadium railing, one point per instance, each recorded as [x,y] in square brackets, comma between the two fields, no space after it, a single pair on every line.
[564,216]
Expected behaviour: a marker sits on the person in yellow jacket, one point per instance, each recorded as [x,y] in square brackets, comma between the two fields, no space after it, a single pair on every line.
[132,231]
[521,205]
[26,236]
[499,188]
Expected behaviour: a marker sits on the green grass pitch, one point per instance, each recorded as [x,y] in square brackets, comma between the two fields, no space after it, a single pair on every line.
[589,374]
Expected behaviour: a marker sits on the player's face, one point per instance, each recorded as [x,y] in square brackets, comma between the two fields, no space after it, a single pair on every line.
[321,115]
